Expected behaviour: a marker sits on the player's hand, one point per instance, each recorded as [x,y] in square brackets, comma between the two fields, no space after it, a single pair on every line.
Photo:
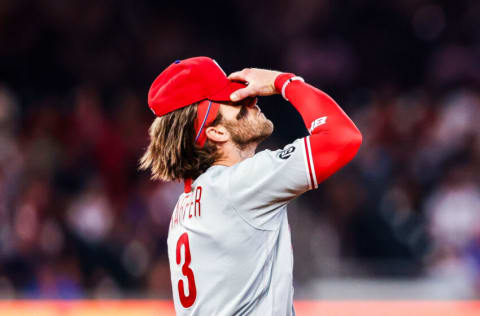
[261,82]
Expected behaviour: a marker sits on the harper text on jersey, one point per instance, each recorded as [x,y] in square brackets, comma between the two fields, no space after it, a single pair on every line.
[188,206]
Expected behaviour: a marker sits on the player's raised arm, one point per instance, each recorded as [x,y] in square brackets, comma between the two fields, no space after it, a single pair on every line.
[334,139]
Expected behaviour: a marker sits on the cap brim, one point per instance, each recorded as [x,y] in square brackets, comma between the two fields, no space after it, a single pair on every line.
[224,94]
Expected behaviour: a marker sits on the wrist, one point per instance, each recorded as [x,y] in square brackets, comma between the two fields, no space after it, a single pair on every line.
[281,79]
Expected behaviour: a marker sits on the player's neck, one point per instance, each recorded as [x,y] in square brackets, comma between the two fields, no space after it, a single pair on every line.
[232,154]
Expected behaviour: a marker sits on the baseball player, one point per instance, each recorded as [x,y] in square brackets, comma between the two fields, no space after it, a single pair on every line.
[229,243]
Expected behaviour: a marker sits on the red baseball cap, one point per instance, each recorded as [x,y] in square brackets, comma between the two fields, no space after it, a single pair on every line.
[188,81]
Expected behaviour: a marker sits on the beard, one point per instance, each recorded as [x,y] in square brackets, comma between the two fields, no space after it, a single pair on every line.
[247,130]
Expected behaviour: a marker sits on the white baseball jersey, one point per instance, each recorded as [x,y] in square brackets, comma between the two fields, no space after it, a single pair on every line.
[229,243]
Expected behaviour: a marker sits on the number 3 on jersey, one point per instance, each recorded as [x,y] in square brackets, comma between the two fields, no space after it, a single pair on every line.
[186,301]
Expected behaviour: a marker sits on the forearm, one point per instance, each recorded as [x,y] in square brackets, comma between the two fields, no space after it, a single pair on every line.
[334,139]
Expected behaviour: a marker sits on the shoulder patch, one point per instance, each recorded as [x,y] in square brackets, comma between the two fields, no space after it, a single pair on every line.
[286,153]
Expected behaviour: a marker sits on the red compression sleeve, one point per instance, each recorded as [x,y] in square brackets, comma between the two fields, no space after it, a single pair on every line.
[334,138]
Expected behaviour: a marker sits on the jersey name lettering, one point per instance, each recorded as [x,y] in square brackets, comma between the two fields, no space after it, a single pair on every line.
[188,206]
[319,121]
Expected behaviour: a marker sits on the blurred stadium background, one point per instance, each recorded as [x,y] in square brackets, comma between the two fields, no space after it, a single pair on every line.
[78,221]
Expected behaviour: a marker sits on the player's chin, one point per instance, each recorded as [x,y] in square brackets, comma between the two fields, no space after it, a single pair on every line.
[267,129]
[270,127]
[263,131]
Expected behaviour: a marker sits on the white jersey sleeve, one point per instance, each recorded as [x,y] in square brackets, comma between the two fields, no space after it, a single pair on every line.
[259,186]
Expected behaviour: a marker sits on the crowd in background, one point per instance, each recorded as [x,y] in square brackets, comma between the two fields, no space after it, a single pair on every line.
[77,219]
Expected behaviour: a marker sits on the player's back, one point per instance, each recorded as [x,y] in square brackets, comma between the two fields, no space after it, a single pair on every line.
[221,262]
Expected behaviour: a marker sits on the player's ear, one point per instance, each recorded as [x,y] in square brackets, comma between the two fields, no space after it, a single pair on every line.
[218,133]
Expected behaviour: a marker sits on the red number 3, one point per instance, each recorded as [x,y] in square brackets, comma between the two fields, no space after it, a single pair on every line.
[186,301]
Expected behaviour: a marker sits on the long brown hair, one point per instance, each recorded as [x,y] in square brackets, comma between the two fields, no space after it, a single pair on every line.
[172,154]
